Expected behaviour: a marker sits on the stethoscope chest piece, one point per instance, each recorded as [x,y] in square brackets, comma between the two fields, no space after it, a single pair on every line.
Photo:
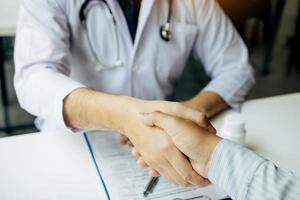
[165,29]
[165,32]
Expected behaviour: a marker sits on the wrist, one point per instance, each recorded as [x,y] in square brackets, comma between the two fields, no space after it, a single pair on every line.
[92,110]
[212,142]
[123,113]
[209,103]
[194,104]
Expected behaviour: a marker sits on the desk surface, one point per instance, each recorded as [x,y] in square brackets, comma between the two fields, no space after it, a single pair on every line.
[8,16]
[47,165]
[274,129]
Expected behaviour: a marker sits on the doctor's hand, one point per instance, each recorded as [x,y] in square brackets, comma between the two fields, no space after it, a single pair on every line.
[192,140]
[159,152]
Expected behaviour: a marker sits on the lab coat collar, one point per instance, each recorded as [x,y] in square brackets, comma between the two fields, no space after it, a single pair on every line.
[145,10]
[121,20]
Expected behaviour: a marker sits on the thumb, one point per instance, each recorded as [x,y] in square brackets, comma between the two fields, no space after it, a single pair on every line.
[147,119]
[161,120]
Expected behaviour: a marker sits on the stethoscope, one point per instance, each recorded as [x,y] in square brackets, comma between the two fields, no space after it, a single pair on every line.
[164,31]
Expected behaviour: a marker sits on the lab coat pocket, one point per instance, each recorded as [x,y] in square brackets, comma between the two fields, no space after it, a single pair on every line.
[173,55]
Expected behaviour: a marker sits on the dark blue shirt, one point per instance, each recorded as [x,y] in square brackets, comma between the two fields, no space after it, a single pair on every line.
[131,9]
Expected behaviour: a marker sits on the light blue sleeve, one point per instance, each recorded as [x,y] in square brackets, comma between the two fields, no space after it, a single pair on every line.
[245,175]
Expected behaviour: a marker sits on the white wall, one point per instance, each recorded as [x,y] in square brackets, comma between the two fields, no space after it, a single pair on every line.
[8,16]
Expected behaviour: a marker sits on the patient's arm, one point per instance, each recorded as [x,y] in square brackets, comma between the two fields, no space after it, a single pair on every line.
[240,172]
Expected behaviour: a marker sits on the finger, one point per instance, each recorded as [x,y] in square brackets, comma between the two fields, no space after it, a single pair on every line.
[129,143]
[153,173]
[165,169]
[176,178]
[141,163]
[161,120]
[181,111]
[167,122]
[161,170]
[156,119]
[185,169]
[123,139]
[168,172]
[135,153]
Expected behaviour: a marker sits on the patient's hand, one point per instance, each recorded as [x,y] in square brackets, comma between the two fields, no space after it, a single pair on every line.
[172,108]
[195,142]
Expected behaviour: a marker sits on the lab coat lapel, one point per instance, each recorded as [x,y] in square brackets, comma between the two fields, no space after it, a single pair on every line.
[145,12]
[121,21]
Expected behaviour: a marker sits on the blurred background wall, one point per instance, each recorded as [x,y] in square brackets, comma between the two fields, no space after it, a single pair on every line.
[270,29]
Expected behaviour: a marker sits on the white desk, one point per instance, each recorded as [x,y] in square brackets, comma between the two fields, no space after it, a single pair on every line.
[45,166]
[8,16]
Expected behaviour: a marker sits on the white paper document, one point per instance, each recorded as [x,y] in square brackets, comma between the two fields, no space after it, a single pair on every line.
[125,181]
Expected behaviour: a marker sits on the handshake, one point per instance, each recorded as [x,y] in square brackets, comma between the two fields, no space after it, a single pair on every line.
[176,142]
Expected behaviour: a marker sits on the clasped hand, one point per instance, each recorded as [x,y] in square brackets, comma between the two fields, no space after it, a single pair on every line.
[167,140]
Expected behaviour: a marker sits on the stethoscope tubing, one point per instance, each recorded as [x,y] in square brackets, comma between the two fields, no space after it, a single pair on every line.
[83,9]
[165,27]
[165,30]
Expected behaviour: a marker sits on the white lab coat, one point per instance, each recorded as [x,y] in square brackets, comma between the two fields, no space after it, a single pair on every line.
[53,58]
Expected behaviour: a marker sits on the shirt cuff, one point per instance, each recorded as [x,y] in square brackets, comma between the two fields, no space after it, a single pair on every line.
[63,87]
[233,167]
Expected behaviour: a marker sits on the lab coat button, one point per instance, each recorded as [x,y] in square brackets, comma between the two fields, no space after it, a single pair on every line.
[135,67]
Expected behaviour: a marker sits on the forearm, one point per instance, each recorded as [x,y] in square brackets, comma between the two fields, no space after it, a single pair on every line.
[256,177]
[209,103]
[88,109]
[245,175]
[271,182]
[232,168]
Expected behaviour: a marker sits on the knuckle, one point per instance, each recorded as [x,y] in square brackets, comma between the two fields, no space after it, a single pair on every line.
[165,148]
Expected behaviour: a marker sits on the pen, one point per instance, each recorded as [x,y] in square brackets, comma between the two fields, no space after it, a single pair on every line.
[150,186]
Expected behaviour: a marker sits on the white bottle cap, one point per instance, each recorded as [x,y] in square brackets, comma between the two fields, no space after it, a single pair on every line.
[234,128]
[234,124]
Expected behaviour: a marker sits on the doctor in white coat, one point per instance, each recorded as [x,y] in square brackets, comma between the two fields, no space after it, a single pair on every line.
[84,64]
